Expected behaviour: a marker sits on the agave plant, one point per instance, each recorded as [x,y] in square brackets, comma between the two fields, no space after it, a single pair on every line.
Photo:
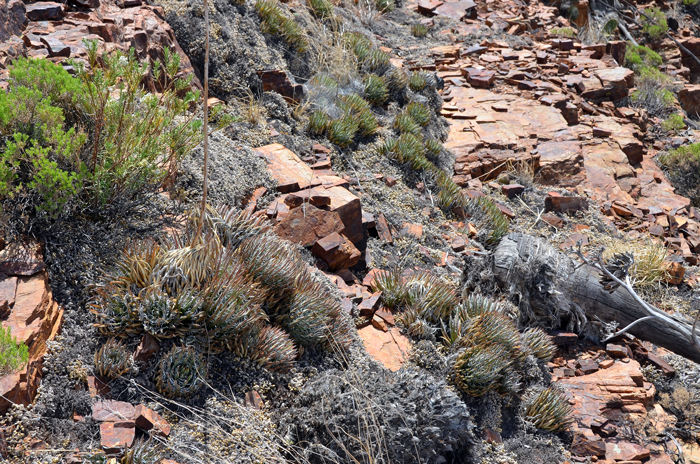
[433,298]
[417,81]
[165,317]
[405,124]
[342,131]
[116,310]
[308,312]
[396,80]
[538,343]
[434,147]
[495,328]
[230,225]
[480,369]
[376,61]
[550,410]
[418,112]
[271,263]
[143,452]
[318,122]
[391,284]
[181,372]
[269,346]
[112,360]
[376,91]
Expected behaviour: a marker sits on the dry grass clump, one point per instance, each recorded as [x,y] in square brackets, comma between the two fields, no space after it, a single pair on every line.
[419,30]
[649,258]
[234,287]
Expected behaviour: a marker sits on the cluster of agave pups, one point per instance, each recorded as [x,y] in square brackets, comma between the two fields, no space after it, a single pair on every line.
[233,286]
[489,347]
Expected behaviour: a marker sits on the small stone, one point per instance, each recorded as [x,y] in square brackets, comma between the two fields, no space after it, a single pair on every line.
[616,351]
[389,181]
[147,420]
[561,204]
[552,220]
[458,245]
[254,400]
[111,411]
[336,251]
[625,451]
[412,230]
[512,190]
[606,363]
[370,305]
[379,323]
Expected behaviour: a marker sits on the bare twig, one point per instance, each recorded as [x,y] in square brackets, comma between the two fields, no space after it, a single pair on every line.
[206,118]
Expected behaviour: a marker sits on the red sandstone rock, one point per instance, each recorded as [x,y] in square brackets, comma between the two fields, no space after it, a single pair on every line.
[254,400]
[561,204]
[116,436]
[147,348]
[44,11]
[112,411]
[307,224]
[290,172]
[276,80]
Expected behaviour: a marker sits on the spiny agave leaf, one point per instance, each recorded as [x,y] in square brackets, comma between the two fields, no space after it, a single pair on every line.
[273,264]
[229,224]
[480,369]
[116,309]
[111,360]
[433,297]
[269,346]
[538,343]
[391,284]
[181,371]
[135,264]
[550,410]
[495,328]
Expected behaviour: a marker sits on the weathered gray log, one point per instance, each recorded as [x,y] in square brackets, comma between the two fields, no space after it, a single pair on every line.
[553,291]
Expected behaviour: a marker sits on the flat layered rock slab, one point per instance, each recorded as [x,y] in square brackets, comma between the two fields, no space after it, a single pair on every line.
[605,165]
[290,172]
[608,393]
[656,190]
[389,348]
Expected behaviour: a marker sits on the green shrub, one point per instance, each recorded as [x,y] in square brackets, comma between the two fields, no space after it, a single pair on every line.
[112,360]
[550,410]
[656,25]
[683,170]
[275,21]
[637,57]
[321,8]
[375,89]
[674,123]
[419,30]
[563,31]
[417,81]
[13,354]
[690,3]
[181,372]
[654,92]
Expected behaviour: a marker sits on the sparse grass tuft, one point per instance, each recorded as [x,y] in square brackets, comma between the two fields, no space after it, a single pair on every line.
[375,89]
[649,258]
[563,31]
[550,411]
[386,6]
[640,56]
[112,360]
[419,30]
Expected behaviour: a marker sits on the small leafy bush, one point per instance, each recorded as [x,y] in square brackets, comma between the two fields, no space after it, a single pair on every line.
[654,92]
[638,57]
[275,21]
[674,123]
[656,25]
[13,354]
[419,30]
[550,411]
[563,32]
